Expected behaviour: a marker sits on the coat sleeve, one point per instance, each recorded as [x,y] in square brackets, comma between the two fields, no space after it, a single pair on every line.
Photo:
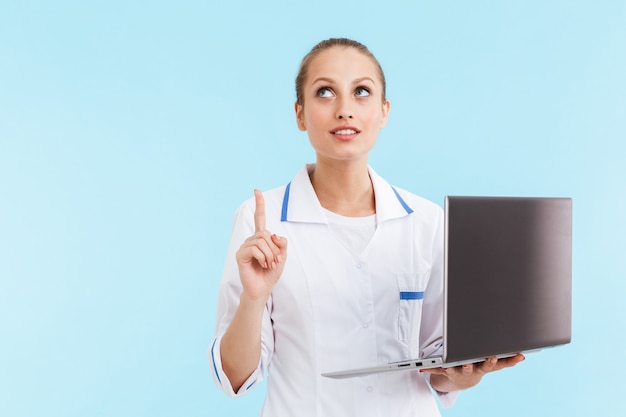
[228,301]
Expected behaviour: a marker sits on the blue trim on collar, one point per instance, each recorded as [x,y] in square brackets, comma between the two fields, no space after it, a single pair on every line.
[285,208]
[283,214]
[408,209]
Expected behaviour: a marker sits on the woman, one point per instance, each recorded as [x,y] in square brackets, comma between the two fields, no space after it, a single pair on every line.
[321,264]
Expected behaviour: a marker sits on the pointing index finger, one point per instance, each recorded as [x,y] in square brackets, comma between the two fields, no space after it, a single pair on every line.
[259,212]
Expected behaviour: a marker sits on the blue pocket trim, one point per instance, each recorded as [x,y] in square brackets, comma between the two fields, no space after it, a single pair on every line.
[411,295]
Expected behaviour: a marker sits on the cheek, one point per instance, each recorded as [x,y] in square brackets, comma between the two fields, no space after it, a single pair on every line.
[374,115]
[315,118]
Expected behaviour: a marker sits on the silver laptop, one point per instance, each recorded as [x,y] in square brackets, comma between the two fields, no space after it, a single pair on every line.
[507,280]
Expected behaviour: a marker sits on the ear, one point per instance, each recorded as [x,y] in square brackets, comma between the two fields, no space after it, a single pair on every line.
[386,108]
[300,116]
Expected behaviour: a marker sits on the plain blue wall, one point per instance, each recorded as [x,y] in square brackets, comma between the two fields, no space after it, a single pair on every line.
[131,130]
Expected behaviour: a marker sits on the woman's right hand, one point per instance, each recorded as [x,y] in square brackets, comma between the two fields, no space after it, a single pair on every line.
[261,258]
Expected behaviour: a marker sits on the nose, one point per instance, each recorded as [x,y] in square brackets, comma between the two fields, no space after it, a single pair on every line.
[343,110]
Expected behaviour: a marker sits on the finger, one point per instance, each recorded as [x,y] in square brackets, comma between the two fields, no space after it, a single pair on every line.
[513,360]
[450,371]
[467,368]
[264,249]
[488,365]
[260,257]
[439,371]
[259,212]
[281,242]
[506,362]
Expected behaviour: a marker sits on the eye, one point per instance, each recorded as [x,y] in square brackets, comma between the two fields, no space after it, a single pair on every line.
[362,92]
[324,92]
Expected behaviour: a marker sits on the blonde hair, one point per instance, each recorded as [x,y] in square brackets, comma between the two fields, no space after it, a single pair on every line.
[327,44]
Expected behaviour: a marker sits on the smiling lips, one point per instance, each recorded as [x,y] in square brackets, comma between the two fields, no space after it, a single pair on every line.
[345,132]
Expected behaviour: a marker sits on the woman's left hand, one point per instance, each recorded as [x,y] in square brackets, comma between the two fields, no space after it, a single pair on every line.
[467,375]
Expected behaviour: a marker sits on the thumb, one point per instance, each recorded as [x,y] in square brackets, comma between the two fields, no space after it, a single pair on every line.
[281,242]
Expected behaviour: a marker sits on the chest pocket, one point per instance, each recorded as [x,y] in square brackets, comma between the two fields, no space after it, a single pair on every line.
[410,298]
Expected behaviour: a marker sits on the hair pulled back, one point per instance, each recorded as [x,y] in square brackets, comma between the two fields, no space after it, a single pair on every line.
[325,45]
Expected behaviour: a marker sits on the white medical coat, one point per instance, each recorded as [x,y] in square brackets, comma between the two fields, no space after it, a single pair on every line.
[334,310]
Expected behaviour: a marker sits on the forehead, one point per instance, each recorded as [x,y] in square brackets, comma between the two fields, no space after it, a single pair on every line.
[342,63]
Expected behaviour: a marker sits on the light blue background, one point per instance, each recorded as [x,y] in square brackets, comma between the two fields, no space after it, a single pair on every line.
[131,130]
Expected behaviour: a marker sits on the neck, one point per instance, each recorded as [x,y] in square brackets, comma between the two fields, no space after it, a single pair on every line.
[344,189]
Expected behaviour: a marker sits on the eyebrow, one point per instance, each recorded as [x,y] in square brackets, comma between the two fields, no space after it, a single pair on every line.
[331,81]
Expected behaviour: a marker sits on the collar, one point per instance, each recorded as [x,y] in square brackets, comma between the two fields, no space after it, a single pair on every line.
[300,203]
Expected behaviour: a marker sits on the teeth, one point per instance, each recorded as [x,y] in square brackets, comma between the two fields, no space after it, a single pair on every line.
[345,132]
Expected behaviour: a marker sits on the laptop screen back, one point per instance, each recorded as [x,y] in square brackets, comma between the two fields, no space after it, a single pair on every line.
[508,275]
